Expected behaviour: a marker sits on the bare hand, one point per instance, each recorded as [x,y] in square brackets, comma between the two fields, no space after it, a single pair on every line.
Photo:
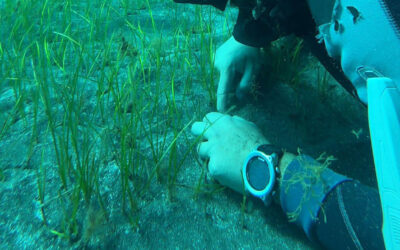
[227,142]
[232,58]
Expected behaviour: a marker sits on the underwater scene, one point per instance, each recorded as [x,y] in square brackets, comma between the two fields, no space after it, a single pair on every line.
[98,100]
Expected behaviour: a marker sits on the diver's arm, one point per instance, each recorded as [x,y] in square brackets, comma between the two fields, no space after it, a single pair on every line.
[260,25]
[320,201]
[253,32]
[333,210]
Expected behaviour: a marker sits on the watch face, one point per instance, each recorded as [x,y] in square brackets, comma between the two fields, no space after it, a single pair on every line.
[257,173]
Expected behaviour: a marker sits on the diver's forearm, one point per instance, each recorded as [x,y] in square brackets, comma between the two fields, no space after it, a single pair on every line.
[304,184]
[286,159]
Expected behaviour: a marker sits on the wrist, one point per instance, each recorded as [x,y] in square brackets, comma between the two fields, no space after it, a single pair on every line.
[260,171]
[286,159]
[303,187]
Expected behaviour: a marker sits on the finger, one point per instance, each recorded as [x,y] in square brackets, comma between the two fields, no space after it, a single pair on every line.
[222,102]
[212,117]
[203,149]
[213,167]
[200,129]
[225,86]
[244,85]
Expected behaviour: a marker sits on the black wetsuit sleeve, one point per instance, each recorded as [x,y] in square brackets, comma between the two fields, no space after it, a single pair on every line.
[251,32]
[351,218]
[332,209]
[274,21]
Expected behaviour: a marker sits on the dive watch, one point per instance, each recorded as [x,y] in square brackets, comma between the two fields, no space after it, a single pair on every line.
[260,171]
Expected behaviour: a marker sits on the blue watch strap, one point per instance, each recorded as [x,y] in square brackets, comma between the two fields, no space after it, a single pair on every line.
[304,186]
